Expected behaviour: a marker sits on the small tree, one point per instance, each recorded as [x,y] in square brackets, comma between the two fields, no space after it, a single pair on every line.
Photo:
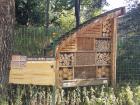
[77,12]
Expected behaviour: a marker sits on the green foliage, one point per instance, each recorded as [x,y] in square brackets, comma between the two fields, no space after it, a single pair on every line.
[33,12]
[29,12]
[31,41]
[130,23]
[91,95]
[129,44]
[128,59]
[61,5]
[91,8]
[67,20]
[137,95]
[126,96]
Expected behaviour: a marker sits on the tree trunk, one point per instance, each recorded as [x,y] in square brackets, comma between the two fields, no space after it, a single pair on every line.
[47,14]
[6,31]
[47,24]
[77,12]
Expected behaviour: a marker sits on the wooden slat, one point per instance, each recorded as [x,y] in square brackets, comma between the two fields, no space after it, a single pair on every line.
[84,82]
[68,45]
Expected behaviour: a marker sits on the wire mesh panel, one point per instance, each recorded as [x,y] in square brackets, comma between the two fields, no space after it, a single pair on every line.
[128,62]
[31,41]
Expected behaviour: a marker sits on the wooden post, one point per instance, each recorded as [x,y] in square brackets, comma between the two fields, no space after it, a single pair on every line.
[47,14]
[114,52]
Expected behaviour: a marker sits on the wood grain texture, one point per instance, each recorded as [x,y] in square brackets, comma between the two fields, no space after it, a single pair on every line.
[35,72]
[84,82]
[114,53]
[94,51]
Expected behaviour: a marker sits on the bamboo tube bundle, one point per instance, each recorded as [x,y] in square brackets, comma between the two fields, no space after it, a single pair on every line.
[66,74]
[66,59]
[103,58]
[103,45]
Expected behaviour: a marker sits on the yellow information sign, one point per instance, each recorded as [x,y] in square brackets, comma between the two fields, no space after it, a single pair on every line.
[33,72]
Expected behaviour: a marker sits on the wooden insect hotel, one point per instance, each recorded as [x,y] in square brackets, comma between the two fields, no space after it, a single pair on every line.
[84,56]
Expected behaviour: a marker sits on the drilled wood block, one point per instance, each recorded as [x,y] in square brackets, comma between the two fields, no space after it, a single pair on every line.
[103,45]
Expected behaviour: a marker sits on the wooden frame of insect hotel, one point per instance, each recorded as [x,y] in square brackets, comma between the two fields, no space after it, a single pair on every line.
[86,55]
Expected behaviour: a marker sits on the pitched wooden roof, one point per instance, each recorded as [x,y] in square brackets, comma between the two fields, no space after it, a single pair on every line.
[67,34]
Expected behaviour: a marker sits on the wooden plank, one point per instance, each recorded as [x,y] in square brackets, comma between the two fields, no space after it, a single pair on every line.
[69,47]
[84,82]
[69,44]
[87,65]
[35,72]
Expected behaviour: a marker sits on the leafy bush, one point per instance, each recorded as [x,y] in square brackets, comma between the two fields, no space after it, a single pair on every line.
[91,95]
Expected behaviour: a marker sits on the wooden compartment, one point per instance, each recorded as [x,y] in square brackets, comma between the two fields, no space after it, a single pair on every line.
[85,58]
[65,73]
[85,43]
[103,58]
[85,72]
[66,59]
[103,45]
[103,72]
[107,27]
